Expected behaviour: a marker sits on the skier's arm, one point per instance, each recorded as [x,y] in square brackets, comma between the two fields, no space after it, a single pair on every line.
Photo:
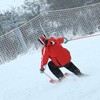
[44,59]
[62,40]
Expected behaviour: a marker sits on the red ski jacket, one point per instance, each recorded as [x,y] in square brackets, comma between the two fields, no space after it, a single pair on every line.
[59,55]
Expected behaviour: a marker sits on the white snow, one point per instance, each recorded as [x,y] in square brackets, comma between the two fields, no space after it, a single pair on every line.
[21,79]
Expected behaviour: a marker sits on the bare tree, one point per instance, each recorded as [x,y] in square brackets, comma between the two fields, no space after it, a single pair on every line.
[31,8]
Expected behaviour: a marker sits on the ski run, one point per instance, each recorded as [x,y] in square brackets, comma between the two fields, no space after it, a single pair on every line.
[21,79]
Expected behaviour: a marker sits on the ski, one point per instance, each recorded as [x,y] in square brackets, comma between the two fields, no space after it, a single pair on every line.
[59,80]
[65,75]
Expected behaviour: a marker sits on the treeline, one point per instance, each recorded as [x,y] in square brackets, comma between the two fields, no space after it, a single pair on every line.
[65,4]
[18,16]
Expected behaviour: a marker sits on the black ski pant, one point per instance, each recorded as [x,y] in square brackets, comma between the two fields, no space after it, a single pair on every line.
[58,73]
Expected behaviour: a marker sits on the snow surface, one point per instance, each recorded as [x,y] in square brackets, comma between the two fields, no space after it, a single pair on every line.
[21,79]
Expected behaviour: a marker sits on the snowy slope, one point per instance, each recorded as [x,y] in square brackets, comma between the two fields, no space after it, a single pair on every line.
[20,79]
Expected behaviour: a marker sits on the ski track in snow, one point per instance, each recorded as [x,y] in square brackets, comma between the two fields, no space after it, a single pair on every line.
[20,79]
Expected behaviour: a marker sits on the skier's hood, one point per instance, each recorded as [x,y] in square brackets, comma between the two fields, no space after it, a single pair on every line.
[51,41]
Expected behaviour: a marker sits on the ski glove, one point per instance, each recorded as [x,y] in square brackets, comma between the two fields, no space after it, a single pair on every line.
[65,40]
[42,70]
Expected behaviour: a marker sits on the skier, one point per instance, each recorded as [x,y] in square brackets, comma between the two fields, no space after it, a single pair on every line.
[60,57]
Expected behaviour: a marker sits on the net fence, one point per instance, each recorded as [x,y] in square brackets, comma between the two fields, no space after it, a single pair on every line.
[68,22]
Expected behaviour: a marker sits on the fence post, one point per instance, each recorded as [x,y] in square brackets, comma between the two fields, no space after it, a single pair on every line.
[21,39]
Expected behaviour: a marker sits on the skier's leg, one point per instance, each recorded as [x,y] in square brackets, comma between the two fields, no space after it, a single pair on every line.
[55,70]
[71,67]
